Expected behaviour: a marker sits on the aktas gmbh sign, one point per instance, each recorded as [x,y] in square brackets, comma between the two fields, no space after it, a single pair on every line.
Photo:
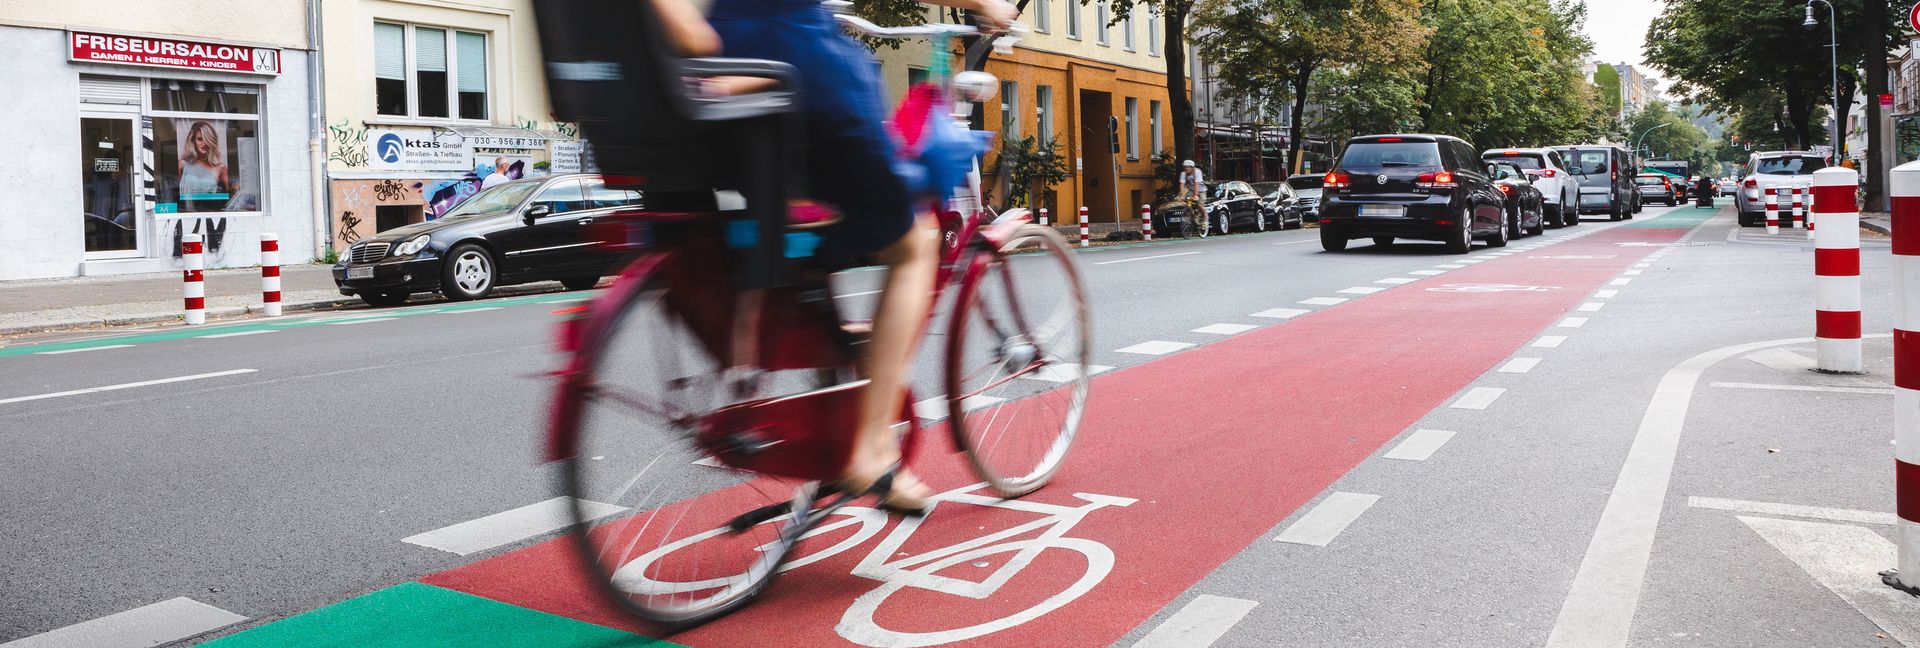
[169,53]
[418,149]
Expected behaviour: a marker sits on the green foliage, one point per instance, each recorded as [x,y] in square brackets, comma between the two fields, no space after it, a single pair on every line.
[1033,167]
[1676,138]
[1363,99]
[1607,80]
[331,257]
[1509,73]
[1166,170]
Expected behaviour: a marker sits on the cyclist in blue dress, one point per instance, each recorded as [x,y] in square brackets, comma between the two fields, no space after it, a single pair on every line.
[850,157]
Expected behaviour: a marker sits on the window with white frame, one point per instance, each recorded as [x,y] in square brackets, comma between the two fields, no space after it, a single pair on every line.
[429,72]
[1133,133]
[1153,126]
[1043,113]
[1073,18]
[1153,32]
[1043,16]
[1126,32]
[1009,109]
[1100,22]
[206,146]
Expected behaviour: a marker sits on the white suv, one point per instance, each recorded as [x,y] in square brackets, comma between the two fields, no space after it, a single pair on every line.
[1558,188]
[1775,169]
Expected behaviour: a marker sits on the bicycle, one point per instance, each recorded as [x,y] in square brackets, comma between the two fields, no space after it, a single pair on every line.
[699,358]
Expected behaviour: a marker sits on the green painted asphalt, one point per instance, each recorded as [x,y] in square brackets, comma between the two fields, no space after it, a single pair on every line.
[1677,218]
[182,331]
[415,614]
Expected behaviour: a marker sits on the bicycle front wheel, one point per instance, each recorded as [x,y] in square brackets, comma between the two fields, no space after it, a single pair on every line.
[1018,353]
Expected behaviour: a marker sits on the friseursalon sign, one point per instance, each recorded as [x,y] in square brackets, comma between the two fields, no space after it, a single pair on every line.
[150,51]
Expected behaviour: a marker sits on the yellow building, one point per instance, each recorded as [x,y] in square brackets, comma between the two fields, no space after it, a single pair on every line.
[423,99]
[1071,78]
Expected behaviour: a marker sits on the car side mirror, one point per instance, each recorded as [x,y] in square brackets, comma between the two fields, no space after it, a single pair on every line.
[537,212]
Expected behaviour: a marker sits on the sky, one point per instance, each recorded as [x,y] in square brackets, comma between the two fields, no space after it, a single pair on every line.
[1619,27]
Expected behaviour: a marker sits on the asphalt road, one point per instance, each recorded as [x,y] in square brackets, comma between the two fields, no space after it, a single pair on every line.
[280,468]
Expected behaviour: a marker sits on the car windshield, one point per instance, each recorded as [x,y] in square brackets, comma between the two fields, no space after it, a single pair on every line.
[1790,165]
[494,199]
[1591,160]
[1378,155]
[1306,182]
[1522,160]
[1649,180]
[1265,188]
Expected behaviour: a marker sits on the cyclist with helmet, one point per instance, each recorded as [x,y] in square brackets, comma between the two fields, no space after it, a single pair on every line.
[1193,190]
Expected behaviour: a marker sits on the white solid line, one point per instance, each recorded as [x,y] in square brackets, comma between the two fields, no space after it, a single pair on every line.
[1157,256]
[1427,273]
[66,351]
[1420,445]
[936,408]
[1590,307]
[505,527]
[1154,347]
[1064,372]
[1198,624]
[1606,294]
[1281,313]
[1360,290]
[1548,341]
[1478,398]
[1620,282]
[1794,510]
[143,383]
[376,319]
[1845,559]
[1519,365]
[1325,522]
[471,310]
[1572,322]
[1322,301]
[1811,388]
[151,625]
[235,334]
[1599,607]
[1225,329]
[1396,280]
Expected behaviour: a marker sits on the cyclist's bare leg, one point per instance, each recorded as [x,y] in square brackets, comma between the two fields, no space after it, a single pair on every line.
[905,300]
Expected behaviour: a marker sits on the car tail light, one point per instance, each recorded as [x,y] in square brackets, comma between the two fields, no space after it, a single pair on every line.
[1337,180]
[1616,175]
[1506,189]
[1389,139]
[1436,180]
[1752,183]
[1666,183]
[1548,173]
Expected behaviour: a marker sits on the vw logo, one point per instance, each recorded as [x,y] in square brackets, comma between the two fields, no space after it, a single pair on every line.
[1382,178]
[388,148]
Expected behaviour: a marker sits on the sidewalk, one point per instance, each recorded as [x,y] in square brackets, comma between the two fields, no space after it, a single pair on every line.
[82,302]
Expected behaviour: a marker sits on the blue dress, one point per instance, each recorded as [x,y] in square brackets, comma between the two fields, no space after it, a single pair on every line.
[849,154]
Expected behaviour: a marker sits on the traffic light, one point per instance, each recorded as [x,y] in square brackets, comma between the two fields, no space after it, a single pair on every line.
[1113,133]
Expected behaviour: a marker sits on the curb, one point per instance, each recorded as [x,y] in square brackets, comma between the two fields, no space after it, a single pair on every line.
[237,311]
[1876,225]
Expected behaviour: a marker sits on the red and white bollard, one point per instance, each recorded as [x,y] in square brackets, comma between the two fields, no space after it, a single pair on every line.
[1836,269]
[1146,222]
[1806,217]
[1773,210]
[1799,219]
[270,274]
[1905,189]
[1044,221]
[1086,238]
[195,276]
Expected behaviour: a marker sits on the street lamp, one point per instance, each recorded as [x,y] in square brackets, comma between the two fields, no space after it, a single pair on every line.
[1833,47]
[1643,135]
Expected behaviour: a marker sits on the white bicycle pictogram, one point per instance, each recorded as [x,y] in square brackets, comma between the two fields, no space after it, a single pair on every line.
[1489,288]
[922,571]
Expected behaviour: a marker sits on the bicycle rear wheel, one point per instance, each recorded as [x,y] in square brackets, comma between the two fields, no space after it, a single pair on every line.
[658,521]
[1017,357]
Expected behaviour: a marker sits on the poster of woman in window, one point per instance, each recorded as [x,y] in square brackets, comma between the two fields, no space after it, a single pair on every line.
[213,167]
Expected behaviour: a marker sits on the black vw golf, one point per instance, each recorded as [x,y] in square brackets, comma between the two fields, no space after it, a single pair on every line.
[1424,187]
[516,232]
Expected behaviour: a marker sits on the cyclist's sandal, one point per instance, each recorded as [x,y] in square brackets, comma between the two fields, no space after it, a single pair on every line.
[882,488]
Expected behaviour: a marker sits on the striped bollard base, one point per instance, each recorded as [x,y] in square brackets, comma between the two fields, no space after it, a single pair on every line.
[194,289]
[1773,210]
[1799,219]
[270,274]
[1044,221]
[1086,238]
[1146,222]
[1836,269]
[1904,186]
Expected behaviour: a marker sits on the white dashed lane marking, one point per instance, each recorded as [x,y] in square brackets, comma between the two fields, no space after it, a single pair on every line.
[1325,522]
[1281,313]
[1548,341]
[1198,624]
[935,408]
[372,319]
[143,383]
[1590,307]
[1323,301]
[217,336]
[164,622]
[1519,365]
[1396,280]
[1631,273]
[1360,290]
[1620,282]
[1065,372]
[1451,266]
[1155,347]
[1606,294]
[1478,398]
[1420,445]
[98,348]
[474,536]
[1572,322]
[1225,329]
[1427,273]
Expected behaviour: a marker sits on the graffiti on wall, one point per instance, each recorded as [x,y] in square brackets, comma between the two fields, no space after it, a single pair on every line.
[212,231]
[349,144]
[389,190]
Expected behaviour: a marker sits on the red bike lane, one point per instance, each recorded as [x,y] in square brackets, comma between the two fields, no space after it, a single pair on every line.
[1285,411]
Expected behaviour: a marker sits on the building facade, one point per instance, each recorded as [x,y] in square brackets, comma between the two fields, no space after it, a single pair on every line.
[130,125]
[1078,82]
[425,100]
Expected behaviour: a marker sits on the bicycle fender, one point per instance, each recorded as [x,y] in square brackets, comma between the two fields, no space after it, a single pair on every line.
[580,336]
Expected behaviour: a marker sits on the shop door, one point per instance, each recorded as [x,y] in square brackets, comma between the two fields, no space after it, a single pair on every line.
[107,169]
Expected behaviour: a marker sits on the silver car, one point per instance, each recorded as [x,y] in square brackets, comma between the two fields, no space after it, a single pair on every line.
[1772,169]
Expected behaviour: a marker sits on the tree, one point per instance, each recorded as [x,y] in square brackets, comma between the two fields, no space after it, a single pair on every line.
[1607,80]
[1174,15]
[1262,48]
[1033,167]
[1508,73]
[1676,138]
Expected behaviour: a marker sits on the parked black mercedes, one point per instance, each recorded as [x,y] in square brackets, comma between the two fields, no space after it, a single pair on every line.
[516,232]
[1423,187]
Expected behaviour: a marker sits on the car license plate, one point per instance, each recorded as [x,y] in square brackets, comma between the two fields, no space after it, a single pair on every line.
[1383,211]
[360,273]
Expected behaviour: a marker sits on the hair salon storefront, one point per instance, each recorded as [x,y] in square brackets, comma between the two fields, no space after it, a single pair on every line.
[133,141]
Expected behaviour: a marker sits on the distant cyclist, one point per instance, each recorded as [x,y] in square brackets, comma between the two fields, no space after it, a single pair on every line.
[1193,190]
[842,104]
